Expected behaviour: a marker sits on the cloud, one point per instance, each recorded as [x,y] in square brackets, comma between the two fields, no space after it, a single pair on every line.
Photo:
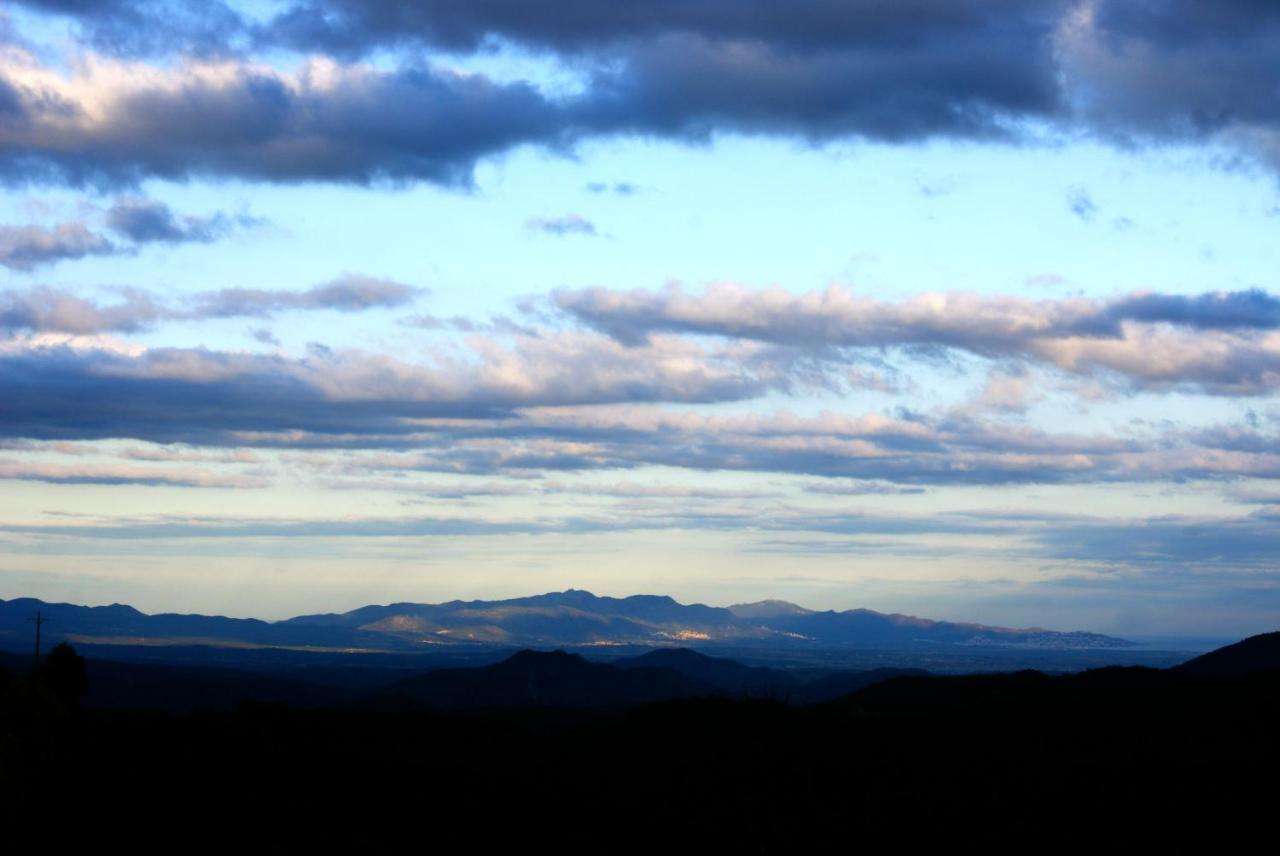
[126,475]
[347,293]
[1221,342]
[1149,71]
[569,224]
[110,122]
[562,402]
[1082,204]
[621,188]
[137,220]
[265,336]
[1160,553]
[1248,542]
[148,27]
[859,488]
[24,248]
[1175,71]
[1008,392]
[63,388]
[44,309]
[50,310]
[1253,309]
[1006,70]
[572,26]
[148,220]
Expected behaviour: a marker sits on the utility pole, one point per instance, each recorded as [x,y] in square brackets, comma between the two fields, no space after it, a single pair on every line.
[38,620]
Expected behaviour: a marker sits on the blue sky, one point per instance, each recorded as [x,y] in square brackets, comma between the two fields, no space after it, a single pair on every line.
[969,315]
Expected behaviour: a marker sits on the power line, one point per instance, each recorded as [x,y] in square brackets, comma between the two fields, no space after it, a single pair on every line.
[38,620]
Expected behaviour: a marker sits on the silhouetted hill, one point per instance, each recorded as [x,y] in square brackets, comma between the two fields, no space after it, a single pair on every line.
[1255,654]
[146,686]
[728,676]
[547,679]
[1137,759]
[839,684]
[738,680]
[559,619]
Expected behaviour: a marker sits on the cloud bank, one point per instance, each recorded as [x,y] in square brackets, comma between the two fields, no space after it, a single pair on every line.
[1220,342]
[1130,72]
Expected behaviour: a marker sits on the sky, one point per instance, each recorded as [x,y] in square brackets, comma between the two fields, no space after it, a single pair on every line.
[952,308]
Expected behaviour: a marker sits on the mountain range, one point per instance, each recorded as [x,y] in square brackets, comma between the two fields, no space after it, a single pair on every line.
[571,618]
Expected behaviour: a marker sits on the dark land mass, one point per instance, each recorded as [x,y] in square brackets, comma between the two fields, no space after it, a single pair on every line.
[1248,655]
[1119,758]
[524,679]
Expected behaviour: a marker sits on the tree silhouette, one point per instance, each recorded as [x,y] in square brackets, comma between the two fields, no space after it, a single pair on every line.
[65,674]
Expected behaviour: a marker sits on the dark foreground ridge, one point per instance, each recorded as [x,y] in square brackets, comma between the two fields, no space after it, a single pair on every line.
[526,679]
[1115,758]
[1257,653]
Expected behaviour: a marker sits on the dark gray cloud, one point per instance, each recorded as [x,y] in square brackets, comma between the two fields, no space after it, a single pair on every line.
[1159,70]
[322,123]
[148,220]
[1134,72]
[687,87]
[1250,309]
[1177,70]
[264,336]
[583,26]
[149,27]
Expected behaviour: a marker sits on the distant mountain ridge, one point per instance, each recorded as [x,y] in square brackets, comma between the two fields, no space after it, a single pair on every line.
[572,618]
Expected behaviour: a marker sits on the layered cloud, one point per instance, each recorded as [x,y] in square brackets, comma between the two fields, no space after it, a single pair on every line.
[1221,342]
[205,396]
[510,399]
[1176,550]
[126,475]
[51,310]
[565,402]
[1128,71]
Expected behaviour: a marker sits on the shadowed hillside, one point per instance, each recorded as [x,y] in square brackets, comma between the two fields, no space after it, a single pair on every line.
[1255,654]
[555,679]
[1142,759]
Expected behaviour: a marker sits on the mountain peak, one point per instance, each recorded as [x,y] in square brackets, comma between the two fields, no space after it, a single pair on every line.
[767,609]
